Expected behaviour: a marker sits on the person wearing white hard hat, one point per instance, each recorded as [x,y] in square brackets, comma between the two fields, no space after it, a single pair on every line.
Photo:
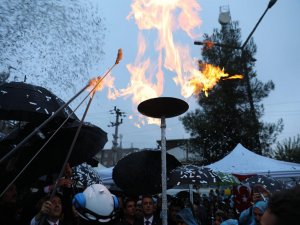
[96,204]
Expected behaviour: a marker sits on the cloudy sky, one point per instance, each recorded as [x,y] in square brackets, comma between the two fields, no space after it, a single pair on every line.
[277,59]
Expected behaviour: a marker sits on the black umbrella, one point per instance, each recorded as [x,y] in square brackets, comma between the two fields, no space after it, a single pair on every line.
[270,183]
[140,172]
[28,102]
[191,174]
[90,141]
[84,175]
[227,178]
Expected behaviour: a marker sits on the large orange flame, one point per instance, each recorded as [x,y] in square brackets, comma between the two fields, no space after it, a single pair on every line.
[207,78]
[166,18]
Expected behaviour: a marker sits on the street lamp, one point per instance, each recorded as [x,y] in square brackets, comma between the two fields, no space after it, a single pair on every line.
[270,5]
[247,79]
[242,48]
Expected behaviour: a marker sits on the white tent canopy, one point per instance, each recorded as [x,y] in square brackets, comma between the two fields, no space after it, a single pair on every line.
[106,175]
[242,161]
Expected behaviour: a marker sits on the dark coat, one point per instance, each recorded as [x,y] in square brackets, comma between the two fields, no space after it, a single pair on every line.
[156,221]
[45,222]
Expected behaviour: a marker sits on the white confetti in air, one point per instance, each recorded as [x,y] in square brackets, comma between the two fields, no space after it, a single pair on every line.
[32,103]
[40,91]
[37,109]
[3,92]
[46,111]
[48,98]
[27,96]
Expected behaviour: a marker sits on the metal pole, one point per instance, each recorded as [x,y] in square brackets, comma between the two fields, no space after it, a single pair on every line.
[256,25]
[41,126]
[164,172]
[191,190]
[72,146]
[38,152]
[247,79]
[217,44]
[119,57]
[251,102]
[43,219]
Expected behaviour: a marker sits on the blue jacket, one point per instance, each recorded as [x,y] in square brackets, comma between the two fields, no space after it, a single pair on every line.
[230,222]
[247,216]
[262,206]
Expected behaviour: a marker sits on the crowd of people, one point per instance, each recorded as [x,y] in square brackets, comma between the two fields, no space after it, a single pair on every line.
[39,205]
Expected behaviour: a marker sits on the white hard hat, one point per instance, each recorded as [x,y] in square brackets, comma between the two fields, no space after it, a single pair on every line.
[96,203]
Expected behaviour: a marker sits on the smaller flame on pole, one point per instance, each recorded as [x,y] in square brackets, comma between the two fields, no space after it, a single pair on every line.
[92,92]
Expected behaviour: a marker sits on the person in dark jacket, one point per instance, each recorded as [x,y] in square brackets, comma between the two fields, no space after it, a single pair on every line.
[129,212]
[175,206]
[51,212]
[148,212]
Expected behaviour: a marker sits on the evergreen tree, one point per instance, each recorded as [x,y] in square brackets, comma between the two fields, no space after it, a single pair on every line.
[226,118]
[289,149]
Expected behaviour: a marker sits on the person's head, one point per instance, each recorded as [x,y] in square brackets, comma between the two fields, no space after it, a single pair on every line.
[283,208]
[231,214]
[218,220]
[147,205]
[258,210]
[139,209]
[68,170]
[259,193]
[174,208]
[56,209]
[129,208]
[219,217]
[96,203]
